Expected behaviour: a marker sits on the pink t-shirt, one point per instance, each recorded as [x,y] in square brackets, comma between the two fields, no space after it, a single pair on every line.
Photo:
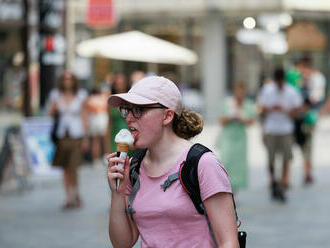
[169,219]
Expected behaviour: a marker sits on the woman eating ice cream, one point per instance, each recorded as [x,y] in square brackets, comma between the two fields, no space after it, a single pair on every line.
[166,218]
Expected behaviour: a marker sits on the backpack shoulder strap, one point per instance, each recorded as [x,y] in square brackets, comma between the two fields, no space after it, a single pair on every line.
[135,163]
[189,180]
[188,175]
[134,171]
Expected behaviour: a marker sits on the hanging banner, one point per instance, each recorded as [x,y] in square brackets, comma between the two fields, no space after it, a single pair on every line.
[101,14]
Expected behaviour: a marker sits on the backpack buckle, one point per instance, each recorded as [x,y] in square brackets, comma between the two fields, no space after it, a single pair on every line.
[170,179]
[165,185]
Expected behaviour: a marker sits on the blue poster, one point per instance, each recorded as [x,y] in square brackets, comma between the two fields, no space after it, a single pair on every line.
[38,145]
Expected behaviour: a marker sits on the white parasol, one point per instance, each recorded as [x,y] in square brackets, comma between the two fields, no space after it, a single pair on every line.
[137,46]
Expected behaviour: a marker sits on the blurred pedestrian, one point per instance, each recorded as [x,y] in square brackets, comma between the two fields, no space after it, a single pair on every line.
[237,112]
[137,76]
[261,117]
[167,218]
[98,119]
[279,104]
[68,104]
[311,85]
[116,122]
[106,85]
[304,127]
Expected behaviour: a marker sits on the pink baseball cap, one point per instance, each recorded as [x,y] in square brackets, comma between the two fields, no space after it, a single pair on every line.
[151,90]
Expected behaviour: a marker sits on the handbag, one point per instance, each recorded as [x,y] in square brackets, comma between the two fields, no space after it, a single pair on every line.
[53,133]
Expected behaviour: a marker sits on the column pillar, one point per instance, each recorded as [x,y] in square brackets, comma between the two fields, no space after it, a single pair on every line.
[213,64]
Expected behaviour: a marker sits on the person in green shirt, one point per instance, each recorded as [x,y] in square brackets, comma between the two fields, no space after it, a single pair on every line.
[294,76]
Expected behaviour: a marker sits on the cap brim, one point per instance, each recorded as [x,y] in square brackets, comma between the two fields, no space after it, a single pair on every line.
[118,100]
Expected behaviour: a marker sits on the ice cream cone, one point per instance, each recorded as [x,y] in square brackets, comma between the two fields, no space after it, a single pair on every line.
[123,140]
[122,147]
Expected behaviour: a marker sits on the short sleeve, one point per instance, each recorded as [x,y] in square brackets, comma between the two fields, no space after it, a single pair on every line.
[262,96]
[212,176]
[54,95]
[297,99]
[224,109]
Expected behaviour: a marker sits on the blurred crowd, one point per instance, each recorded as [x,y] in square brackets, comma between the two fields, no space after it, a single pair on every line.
[288,106]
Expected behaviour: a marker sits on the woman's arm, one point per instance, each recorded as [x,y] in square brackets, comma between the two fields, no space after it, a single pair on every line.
[220,210]
[122,230]
[224,120]
[53,108]
[248,121]
[326,108]
[84,115]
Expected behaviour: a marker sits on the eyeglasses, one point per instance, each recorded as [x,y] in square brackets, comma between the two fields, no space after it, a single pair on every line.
[137,111]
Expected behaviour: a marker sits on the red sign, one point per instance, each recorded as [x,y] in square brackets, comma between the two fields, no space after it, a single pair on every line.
[101,14]
[49,43]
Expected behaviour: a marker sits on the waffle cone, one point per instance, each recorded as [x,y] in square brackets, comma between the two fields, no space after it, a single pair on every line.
[122,147]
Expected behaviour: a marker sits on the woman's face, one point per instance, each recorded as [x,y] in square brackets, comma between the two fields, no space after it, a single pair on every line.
[121,84]
[239,92]
[147,129]
[68,81]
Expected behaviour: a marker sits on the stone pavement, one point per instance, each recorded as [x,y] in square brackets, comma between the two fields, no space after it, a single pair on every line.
[32,219]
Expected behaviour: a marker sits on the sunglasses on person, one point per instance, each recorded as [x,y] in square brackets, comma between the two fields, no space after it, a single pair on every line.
[137,111]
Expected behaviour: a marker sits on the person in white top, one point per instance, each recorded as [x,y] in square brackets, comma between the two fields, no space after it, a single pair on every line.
[317,87]
[279,103]
[313,83]
[314,93]
[67,102]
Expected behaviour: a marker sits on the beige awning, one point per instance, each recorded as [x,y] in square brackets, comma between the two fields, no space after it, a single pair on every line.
[137,46]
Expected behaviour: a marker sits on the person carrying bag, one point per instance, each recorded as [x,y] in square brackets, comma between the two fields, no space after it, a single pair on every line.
[163,213]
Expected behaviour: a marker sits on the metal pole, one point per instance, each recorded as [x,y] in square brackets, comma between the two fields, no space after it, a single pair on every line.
[26,106]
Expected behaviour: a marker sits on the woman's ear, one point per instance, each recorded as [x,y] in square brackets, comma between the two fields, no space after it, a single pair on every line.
[168,116]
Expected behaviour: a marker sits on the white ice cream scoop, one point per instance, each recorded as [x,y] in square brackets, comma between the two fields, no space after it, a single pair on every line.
[123,140]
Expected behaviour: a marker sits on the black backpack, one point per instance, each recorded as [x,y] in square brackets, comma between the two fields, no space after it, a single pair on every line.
[188,176]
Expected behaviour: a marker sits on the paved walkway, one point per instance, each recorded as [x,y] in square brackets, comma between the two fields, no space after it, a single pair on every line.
[32,218]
